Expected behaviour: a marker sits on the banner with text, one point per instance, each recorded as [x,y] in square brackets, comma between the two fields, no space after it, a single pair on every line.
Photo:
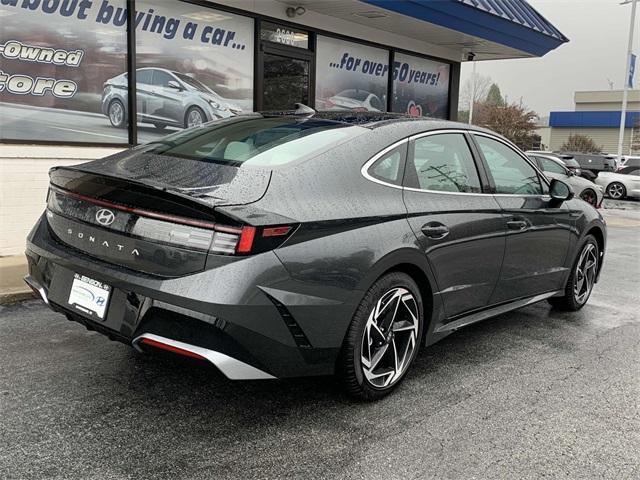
[420,86]
[350,76]
[63,68]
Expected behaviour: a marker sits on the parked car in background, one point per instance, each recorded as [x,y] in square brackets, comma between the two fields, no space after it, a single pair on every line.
[628,162]
[286,245]
[164,98]
[594,162]
[568,160]
[583,188]
[355,100]
[621,185]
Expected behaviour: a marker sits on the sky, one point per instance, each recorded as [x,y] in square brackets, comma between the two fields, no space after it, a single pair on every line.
[598,32]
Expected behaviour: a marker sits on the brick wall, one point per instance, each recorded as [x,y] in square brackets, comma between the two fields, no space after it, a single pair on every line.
[23,186]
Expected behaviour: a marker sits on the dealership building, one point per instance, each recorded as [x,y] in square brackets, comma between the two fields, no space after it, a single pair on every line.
[597,116]
[69,68]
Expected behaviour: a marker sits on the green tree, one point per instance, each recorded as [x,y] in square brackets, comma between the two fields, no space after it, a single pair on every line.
[494,97]
[513,121]
[580,143]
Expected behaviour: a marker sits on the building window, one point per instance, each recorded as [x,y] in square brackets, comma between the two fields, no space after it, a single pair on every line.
[194,65]
[420,86]
[60,62]
[350,76]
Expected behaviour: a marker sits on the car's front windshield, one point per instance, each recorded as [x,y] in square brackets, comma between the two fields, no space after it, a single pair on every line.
[255,140]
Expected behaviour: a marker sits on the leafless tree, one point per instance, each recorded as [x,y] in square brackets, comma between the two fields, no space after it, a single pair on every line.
[482,85]
[580,143]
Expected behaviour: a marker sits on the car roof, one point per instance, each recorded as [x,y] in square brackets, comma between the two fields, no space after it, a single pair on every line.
[374,120]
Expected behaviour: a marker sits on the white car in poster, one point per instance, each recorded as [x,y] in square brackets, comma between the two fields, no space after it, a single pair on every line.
[356,100]
[619,185]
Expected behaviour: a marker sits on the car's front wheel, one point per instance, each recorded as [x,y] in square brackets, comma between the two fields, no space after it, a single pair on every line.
[582,278]
[117,115]
[194,117]
[383,338]
[616,190]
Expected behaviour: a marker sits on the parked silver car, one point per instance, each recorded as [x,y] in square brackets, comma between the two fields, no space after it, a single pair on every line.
[164,97]
[583,188]
[619,185]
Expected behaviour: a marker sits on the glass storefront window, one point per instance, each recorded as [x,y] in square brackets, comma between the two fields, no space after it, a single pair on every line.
[420,86]
[194,65]
[350,76]
[59,63]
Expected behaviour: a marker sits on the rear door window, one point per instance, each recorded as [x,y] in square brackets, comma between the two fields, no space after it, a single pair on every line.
[144,76]
[442,162]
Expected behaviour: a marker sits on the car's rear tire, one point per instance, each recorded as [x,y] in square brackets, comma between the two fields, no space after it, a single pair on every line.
[117,114]
[616,190]
[589,195]
[582,278]
[382,340]
[194,117]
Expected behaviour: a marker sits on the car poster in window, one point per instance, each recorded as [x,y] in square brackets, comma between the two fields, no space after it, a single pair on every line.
[420,86]
[350,76]
[63,68]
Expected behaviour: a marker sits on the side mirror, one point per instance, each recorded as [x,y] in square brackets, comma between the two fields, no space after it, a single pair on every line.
[175,85]
[560,191]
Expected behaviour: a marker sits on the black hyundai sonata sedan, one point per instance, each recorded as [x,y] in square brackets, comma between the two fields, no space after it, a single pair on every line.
[282,245]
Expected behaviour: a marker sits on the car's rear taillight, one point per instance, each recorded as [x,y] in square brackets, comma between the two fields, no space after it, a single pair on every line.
[169,229]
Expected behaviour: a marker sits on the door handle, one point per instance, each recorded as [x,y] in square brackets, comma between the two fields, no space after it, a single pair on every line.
[517,224]
[435,230]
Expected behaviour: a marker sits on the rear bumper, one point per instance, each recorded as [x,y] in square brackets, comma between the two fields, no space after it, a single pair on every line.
[247,317]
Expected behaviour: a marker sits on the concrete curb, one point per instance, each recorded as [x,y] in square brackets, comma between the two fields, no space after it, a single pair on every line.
[16,297]
[12,286]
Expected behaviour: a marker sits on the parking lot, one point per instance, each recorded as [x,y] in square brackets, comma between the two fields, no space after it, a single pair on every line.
[529,394]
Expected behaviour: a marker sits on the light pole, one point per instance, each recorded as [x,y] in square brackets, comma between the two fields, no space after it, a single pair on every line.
[625,92]
[473,91]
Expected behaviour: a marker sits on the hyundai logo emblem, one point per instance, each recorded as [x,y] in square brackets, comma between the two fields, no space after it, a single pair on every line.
[105,217]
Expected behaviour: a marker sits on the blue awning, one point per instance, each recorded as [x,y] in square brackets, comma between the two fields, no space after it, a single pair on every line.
[513,23]
[592,119]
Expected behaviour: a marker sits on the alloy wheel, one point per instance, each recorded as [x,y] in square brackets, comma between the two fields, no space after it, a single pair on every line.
[615,190]
[390,338]
[194,118]
[116,114]
[585,274]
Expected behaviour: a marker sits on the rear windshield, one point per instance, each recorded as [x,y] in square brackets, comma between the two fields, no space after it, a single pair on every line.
[257,141]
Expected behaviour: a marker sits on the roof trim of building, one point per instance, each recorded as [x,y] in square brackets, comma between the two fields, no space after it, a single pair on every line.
[513,23]
[593,119]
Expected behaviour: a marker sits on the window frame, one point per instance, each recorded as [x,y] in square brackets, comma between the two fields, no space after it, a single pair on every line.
[544,181]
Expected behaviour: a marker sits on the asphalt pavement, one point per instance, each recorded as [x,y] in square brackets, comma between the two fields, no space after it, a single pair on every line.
[535,393]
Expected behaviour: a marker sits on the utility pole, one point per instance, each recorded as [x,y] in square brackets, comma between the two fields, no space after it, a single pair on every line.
[625,92]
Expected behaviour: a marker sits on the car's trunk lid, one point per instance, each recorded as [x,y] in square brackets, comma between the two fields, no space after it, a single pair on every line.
[160,211]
